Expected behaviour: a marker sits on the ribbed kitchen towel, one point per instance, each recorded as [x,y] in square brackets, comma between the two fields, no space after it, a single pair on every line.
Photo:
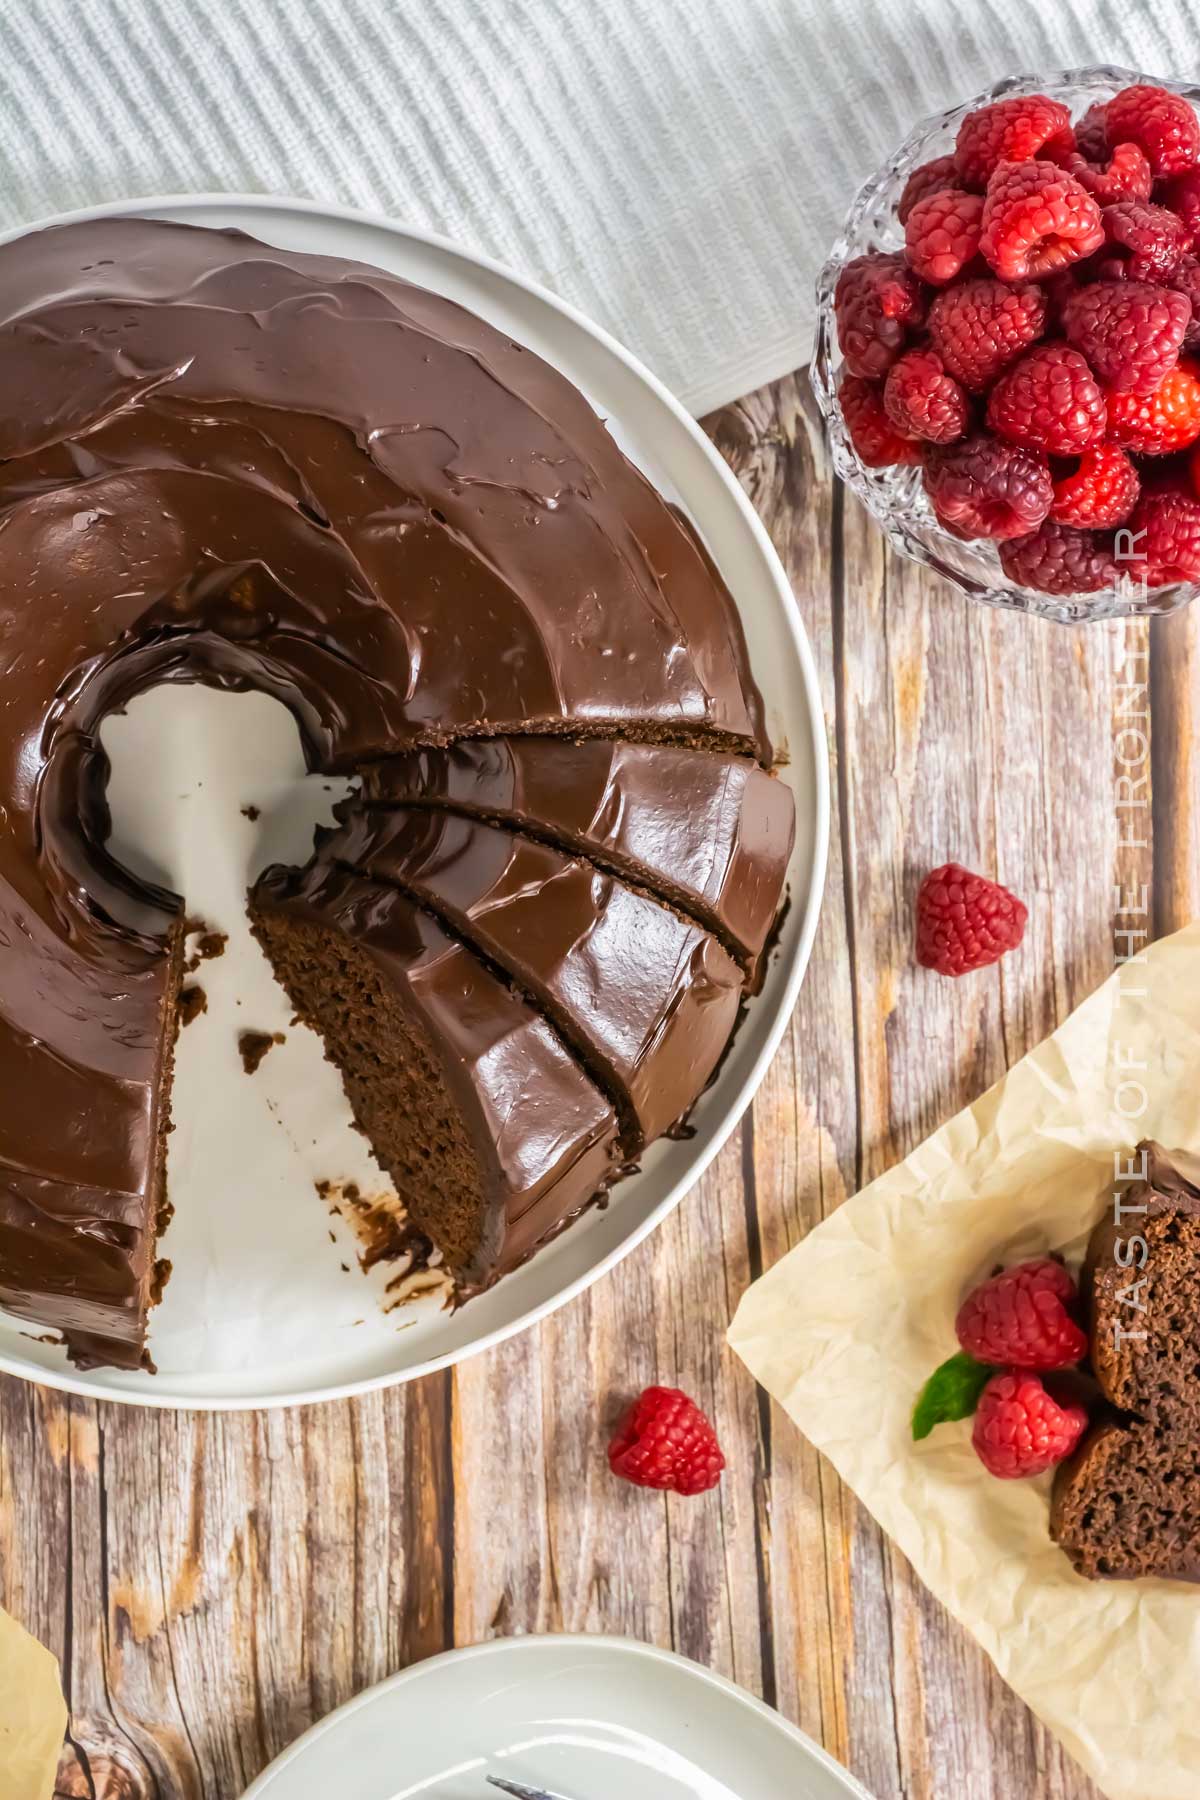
[677,168]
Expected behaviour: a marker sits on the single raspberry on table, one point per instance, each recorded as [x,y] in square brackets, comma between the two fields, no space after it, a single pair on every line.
[665,1441]
[984,487]
[942,234]
[1164,532]
[1158,423]
[1182,195]
[875,439]
[922,401]
[876,300]
[1130,332]
[926,180]
[1160,123]
[1058,559]
[965,921]
[1097,492]
[1091,136]
[1049,400]
[1020,1429]
[1125,175]
[1152,238]
[1037,218]
[980,326]
[1012,130]
[1024,1316]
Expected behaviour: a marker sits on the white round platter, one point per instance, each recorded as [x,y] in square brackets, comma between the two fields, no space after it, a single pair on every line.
[586,1718]
[262,1309]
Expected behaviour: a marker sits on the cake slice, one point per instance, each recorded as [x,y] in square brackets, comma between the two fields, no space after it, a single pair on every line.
[645,996]
[1127,1504]
[490,1130]
[83,1133]
[708,832]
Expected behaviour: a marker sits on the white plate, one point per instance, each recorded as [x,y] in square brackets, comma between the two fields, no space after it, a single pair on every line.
[590,1718]
[260,1311]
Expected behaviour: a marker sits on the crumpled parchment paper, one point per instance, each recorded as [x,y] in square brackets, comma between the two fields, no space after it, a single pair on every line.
[33,1716]
[844,1330]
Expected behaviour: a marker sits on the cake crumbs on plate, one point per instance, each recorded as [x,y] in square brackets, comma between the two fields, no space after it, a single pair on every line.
[254,1045]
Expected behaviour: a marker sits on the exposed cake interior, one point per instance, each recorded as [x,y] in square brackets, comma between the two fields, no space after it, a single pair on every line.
[1129,1505]
[393,1081]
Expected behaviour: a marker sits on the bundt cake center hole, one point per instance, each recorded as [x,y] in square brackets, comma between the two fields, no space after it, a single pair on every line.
[200,777]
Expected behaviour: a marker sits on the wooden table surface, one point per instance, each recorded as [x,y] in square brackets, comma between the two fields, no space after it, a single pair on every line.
[213,1585]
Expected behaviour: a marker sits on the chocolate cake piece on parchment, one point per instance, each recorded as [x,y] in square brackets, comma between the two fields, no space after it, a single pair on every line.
[1127,1504]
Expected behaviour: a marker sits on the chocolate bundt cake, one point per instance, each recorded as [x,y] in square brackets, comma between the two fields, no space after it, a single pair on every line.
[528,943]
[1127,1504]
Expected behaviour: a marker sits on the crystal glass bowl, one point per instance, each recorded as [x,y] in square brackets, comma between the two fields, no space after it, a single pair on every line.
[895,496]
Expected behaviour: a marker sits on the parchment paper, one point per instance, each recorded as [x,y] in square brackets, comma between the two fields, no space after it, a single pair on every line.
[844,1330]
[33,1718]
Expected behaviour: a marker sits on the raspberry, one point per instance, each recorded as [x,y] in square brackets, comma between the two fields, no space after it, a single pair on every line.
[1124,176]
[965,921]
[1098,493]
[1154,237]
[876,298]
[979,327]
[1051,401]
[876,441]
[1012,130]
[1182,195]
[1020,1429]
[942,234]
[665,1441]
[1037,218]
[983,487]
[1091,137]
[1165,536]
[1129,331]
[1158,423]
[1057,559]
[1020,1317]
[928,179]
[1160,123]
[1185,279]
[922,401]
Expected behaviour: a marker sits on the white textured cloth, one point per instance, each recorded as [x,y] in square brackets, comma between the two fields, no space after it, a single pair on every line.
[677,168]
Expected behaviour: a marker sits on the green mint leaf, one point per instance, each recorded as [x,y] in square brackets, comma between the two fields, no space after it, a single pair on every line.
[952,1392]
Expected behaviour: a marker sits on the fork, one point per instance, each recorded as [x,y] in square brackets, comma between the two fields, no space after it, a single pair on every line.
[520,1791]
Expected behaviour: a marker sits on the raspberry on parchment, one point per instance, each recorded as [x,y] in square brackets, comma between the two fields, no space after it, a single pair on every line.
[1024,1317]
[1021,1429]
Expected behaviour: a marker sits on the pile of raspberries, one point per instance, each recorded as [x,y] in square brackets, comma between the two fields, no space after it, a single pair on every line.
[1036,345]
[1021,1338]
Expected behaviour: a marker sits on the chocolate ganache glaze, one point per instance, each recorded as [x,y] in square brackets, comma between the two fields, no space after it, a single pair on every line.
[712,834]
[229,463]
